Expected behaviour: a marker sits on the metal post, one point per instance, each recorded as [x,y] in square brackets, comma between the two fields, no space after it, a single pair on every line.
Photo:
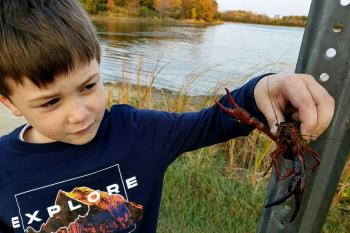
[325,53]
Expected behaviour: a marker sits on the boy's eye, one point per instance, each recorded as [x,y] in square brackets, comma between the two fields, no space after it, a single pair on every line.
[89,86]
[50,103]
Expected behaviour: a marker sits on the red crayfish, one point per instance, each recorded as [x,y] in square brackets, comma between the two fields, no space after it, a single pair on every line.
[290,146]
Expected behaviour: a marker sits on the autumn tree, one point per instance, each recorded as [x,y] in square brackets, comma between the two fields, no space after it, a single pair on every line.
[187,6]
[110,5]
[204,9]
[121,3]
[195,9]
[132,5]
[172,8]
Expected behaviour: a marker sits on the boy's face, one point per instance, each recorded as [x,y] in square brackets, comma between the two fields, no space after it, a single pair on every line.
[69,110]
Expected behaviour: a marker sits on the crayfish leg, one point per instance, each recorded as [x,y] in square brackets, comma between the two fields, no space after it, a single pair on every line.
[314,155]
[289,173]
[274,157]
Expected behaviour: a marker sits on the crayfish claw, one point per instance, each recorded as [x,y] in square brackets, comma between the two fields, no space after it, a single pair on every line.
[295,187]
[231,100]
[280,200]
[298,198]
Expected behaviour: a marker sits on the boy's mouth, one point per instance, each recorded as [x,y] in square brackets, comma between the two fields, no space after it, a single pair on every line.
[84,130]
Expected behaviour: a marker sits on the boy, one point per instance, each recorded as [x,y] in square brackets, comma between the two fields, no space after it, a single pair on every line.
[76,167]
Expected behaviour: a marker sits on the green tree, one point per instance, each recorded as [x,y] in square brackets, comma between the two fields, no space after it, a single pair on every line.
[90,6]
[147,3]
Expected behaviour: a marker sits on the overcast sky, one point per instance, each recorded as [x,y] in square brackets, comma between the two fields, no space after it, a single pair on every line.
[269,7]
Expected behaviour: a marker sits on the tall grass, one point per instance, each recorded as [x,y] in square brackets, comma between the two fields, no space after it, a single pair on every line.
[219,188]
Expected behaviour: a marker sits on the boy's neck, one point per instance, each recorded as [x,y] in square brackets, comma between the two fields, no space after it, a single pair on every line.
[33,136]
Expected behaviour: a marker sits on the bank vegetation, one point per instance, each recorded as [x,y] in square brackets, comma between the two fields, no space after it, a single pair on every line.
[206,10]
[250,17]
[194,10]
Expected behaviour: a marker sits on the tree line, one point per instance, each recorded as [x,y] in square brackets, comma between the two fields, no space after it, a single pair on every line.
[249,17]
[206,10]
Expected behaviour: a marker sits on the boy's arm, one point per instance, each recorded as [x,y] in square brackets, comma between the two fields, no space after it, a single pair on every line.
[170,134]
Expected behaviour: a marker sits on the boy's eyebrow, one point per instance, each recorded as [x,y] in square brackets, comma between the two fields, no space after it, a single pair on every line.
[54,95]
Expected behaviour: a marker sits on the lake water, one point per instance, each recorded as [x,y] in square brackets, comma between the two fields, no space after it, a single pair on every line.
[200,58]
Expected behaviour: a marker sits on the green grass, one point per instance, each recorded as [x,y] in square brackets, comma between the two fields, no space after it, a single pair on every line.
[338,220]
[199,197]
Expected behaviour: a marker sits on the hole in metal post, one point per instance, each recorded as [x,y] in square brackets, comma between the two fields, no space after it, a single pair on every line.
[324,77]
[331,52]
[338,27]
[344,2]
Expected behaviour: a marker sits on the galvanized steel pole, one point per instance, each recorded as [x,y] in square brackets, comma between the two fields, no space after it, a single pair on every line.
[325,53]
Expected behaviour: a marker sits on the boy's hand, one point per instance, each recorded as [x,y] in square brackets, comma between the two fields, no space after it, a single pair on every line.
[314,106]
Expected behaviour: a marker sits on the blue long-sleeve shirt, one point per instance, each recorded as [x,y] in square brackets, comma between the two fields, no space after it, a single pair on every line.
[113,183]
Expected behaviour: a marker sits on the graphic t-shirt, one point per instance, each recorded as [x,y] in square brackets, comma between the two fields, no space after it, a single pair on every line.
[114,182]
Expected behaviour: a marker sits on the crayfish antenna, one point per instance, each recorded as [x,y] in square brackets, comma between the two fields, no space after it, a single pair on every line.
[267,170]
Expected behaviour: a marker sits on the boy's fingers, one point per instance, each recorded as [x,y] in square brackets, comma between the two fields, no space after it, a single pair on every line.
[314,106]
[324,105]
[300,97]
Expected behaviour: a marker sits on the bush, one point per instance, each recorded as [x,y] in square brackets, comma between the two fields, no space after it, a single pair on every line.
[145,12]
[101,7]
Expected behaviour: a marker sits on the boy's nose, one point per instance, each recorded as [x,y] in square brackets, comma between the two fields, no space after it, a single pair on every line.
[78,114]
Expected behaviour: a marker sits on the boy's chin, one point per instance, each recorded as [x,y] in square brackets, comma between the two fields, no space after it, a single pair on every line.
[81,140]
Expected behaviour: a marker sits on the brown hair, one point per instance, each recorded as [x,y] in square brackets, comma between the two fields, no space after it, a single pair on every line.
[40,39]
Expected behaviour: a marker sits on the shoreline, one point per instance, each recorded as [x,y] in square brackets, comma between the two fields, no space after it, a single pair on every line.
[171,21]
[180,22]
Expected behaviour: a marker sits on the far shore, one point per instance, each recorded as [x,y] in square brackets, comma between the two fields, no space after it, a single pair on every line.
[172,21]
[181,22]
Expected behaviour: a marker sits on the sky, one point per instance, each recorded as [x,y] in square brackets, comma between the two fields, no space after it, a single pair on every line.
[269,7]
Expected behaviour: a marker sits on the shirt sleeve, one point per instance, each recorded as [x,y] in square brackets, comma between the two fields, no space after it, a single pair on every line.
[170,134]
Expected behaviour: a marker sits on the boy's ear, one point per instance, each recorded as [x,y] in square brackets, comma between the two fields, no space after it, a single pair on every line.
[8,103]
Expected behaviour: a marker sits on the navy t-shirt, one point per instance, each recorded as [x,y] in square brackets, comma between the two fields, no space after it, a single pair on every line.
[113,183]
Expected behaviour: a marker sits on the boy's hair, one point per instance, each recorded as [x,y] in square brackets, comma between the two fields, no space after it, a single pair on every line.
[40,39]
